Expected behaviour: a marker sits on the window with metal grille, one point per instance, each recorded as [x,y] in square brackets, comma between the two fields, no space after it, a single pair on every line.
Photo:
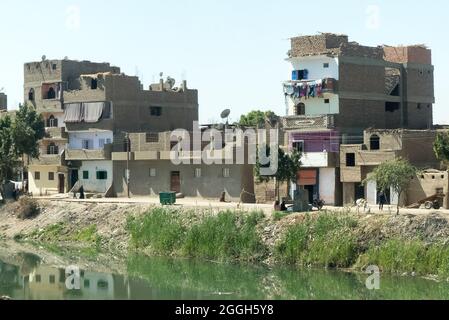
[152,137]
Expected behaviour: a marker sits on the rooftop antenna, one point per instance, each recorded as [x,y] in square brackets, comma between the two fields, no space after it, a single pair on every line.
[225,115]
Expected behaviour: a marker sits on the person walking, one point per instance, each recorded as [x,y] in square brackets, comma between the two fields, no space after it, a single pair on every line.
[382,200]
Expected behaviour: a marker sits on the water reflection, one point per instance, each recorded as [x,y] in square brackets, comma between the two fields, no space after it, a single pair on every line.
[26,276]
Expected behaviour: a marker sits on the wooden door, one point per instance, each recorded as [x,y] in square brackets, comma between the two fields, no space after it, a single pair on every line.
[61,183]
[175,182]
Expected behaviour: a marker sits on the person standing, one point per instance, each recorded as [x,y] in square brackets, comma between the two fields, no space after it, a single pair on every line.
[382,200]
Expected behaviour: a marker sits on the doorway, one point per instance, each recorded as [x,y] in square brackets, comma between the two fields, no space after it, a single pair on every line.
[311,191]
[73,178]
[359,192]
[175,182]
[61,183]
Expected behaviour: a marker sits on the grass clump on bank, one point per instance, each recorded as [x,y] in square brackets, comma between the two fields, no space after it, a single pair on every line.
[324,240]
[227,236]
[160,229]
[411,256]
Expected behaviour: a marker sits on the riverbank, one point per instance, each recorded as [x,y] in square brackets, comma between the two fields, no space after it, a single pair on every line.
[412,244]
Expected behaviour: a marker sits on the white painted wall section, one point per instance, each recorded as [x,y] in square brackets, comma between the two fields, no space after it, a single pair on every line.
[76,139]
[315,66]
[92,184]
[327,185]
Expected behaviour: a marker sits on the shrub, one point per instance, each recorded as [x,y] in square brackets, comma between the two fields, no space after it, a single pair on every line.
[28,208]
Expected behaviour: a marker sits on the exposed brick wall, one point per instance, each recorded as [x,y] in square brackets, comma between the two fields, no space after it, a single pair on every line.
[413,54]
[361,114]
[318,44]
[361,78]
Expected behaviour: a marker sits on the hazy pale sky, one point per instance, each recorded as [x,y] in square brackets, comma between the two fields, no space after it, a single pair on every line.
[232,51]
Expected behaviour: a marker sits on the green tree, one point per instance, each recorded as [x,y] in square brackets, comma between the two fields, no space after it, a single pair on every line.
[27,129]
[441,147]
[287,168]
[8,153]
[256,118]
[395,175]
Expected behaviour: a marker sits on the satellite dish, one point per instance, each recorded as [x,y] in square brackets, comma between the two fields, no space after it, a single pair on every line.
[225,114]
[44,57]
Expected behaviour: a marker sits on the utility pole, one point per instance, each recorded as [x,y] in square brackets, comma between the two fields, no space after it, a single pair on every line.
[128,150]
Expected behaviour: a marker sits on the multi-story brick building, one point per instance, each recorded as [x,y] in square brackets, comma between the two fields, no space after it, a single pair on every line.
[46,84]
[338,89]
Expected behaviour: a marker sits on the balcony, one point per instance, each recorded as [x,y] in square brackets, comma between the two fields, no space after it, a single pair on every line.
[47,160]
[84,154]
[55,133]
[319,159]
[308,122]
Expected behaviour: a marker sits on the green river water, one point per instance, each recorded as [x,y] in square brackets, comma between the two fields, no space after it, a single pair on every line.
[26,275]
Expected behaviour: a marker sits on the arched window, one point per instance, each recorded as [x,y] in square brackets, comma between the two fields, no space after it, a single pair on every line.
[31,95]
[374,142]
[51,94]
[52,122]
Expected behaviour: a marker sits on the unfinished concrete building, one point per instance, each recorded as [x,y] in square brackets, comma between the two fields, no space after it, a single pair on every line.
[203,174]
[338,89]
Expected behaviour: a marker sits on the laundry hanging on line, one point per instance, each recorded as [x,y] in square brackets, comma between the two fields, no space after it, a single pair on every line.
[305,89]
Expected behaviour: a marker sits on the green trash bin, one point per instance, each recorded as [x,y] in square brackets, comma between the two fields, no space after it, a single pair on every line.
[167,198]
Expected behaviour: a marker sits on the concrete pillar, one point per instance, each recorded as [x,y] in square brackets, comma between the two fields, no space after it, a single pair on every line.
[349,193]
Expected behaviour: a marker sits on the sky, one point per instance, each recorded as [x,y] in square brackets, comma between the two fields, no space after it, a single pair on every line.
[232,51]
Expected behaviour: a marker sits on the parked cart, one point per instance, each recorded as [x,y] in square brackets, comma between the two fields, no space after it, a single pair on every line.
[432,202]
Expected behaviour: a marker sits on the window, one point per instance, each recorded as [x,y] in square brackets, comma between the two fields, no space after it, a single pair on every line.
[326,65]
[350,159]
[52,279]
[152,172]
[87,144]
[226,172]
[37,175]
[85,175]
[51,94]
[103,142]
[198,173]
[391,106]
[31,95]
[298,146]
[38,278]
[374,142]
[94,84]
[156,111]
[300,109]
[52,149]
[86,283]
[52,122]
[327,101]
[102,175]
[51,176]
[54,66]
[152,138]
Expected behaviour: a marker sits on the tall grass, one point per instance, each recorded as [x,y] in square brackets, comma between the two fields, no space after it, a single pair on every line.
[227,236]
[324,240]
[397,256]
[160,230]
